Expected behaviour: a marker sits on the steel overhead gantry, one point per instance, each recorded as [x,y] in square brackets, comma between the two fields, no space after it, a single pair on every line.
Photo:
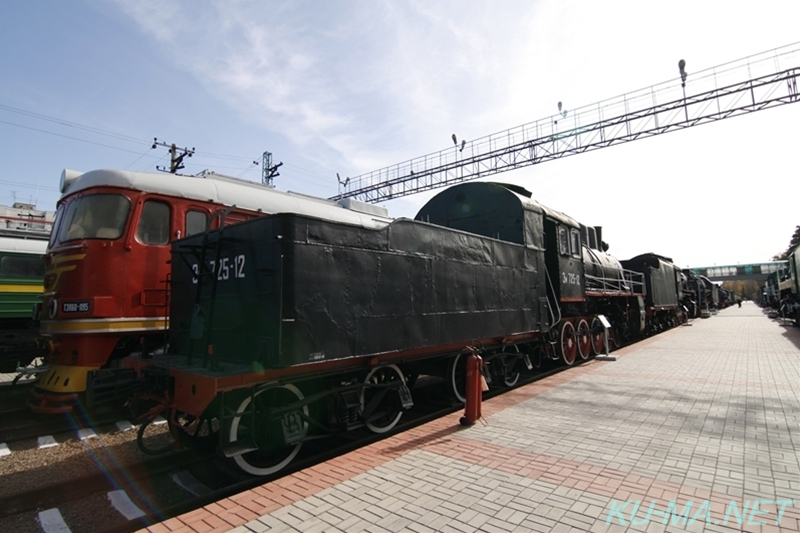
[757,82]
[754,271]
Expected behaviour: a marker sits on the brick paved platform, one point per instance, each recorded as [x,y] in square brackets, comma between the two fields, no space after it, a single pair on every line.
[699,425]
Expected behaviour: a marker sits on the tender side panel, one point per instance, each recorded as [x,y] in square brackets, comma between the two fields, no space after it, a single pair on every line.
[311,290]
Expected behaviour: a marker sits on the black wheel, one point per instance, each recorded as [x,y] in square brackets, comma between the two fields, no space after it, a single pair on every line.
[598,337]
[274,437]
[457,377]
[536,361]
[510,374]
[381,406]
[615,337]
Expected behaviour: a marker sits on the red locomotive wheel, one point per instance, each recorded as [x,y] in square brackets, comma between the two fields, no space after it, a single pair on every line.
[584,339]
[569,345]
[598,337]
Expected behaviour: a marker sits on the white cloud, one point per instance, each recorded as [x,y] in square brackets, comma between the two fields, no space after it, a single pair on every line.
[356,86]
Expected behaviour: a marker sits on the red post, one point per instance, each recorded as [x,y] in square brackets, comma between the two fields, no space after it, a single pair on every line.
[472,410]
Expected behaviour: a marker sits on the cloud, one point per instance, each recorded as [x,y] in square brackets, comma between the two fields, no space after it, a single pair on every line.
[269,64]
[367,83]
[355,85]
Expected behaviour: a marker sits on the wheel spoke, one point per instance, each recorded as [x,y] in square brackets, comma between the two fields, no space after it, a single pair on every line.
[568,345]
[584,339]
[598,337]
[382,405]
[277,438]
[510,374]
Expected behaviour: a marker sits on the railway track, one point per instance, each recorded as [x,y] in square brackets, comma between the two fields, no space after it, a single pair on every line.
[12,397]
[125,499]
[18,422]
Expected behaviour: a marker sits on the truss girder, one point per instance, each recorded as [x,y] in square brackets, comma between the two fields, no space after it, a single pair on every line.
[485,157]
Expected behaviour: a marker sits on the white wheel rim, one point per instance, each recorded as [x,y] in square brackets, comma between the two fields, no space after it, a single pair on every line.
[570,342]
[595,325]
[453,385]
[388,427]
[584,348]
[510,381]
[233,437]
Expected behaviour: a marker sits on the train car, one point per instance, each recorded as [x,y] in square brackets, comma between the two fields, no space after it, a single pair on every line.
[107,265]
[289,327]
[726,297]
[770,293]
[663,288]
[794,273]
[712,294]
[21,285]
[706,293]
[696,297]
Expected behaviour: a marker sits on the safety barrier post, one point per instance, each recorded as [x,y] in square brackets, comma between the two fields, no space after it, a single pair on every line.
[472,409]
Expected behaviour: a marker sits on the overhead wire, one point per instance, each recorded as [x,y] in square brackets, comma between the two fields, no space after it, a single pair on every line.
[99,131]
[28,185]
[293,172]
[68,123]
[139,158]
[68,137]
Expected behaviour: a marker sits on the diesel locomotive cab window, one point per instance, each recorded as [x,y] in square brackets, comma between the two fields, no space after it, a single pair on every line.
[56,222]
[97,216]
[153,225]
[21,267]
[195,222]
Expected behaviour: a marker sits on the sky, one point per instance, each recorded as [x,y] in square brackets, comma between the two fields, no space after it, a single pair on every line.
[353,86]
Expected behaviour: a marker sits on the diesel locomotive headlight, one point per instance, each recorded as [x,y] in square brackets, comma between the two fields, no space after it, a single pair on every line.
[53,309]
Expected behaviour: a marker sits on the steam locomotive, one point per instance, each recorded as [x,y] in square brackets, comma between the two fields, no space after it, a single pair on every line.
[295,325]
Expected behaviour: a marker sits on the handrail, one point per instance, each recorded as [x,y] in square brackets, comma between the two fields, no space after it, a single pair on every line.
[628,283]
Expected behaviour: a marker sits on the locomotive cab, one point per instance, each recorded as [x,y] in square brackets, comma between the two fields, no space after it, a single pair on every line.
[565,260]
[106,283]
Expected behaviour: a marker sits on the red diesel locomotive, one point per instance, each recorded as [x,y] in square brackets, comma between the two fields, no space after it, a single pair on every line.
[106,290]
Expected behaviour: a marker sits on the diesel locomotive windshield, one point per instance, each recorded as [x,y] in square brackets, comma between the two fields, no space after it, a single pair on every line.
[97,216]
